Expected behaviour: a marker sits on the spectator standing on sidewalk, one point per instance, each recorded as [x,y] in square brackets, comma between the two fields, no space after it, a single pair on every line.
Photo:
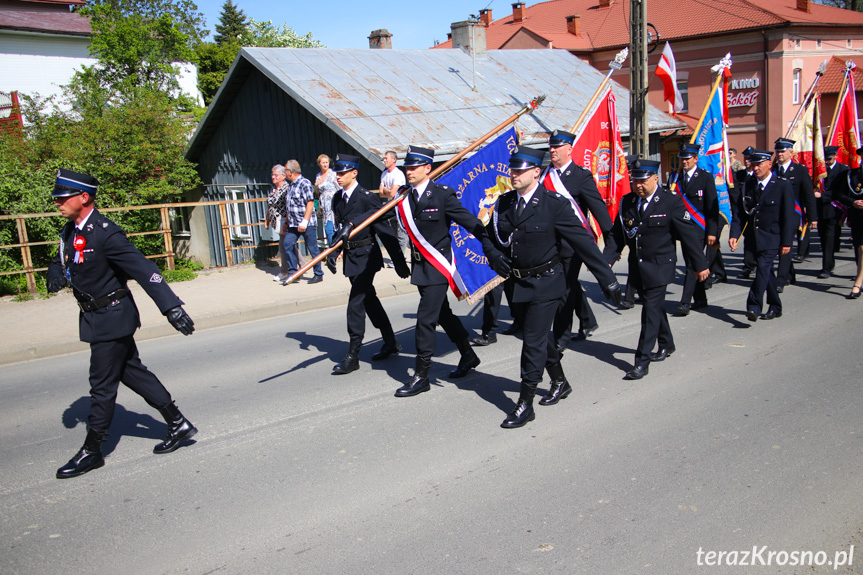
[391,180]
[276,215]
[326,184]
[301,220]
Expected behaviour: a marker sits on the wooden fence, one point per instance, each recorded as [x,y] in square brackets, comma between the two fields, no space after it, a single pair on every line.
[24,244]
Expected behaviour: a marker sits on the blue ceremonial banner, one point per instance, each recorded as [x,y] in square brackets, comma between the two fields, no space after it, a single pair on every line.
[713,151]
[479,181]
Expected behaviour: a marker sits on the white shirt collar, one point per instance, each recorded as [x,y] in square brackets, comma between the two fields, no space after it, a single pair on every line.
[84,221]
[691,172]
[648,199]
[766,180]
[527,197]
[563,168]
[785,165]
[422,187]
[350,189]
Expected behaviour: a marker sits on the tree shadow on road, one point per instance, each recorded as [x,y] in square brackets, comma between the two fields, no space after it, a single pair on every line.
[125,423]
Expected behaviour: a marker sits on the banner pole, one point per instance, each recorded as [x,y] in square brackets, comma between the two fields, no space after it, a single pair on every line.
[839,103]
[529,107]
[821,70]
[616,64]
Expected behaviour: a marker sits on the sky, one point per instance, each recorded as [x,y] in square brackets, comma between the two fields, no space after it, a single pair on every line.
[347,24]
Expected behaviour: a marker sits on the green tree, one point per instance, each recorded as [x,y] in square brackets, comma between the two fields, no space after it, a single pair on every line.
[214,61]
[232,24]
[268,35]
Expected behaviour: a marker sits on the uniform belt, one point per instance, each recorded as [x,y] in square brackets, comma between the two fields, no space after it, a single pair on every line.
[358,244]
[527,272]
[88,305]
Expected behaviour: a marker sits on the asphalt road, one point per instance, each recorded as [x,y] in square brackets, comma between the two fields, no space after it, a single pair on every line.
[748,436]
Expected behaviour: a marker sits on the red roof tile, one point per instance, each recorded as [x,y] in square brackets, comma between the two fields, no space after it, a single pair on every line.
[831,81]
[70,23]
[604,28]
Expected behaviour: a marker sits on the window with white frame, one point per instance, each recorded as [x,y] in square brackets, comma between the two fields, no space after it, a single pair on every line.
[179,218]
[683,87]
[238,214]
[795,86]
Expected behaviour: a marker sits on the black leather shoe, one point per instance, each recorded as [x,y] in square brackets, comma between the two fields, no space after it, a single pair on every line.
[824,275]
[465,364]
[88,458]
[636,372]
[389,348]
[558,390]
[780,289]
[513,329]
[662,353]
[348,364]
[708,283]
[744,275]
[316,279]
[585,332]
[682,310]
[772,314]
[701,304]
[519,416]
[180,430]
[627,304]
[799,259]
[751,315]
[415,386]
[484,339]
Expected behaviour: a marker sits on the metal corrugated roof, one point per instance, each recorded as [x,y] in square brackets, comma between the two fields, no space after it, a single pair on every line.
[378,100]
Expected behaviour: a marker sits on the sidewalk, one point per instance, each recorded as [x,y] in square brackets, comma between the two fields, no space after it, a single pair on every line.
[223,296]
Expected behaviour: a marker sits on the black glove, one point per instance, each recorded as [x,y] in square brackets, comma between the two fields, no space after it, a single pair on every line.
[613,292]
[331,263]
[180,320]
[343,234]
[56,284]
[402,269]
[502,265]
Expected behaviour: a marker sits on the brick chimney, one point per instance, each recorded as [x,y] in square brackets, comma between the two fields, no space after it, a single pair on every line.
[381,40]
[518,11]
[803,6]
[605,3]
[485,16]
[468,35]
[573,25]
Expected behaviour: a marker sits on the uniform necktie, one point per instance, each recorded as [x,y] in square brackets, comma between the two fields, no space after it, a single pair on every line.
[781,171]
[520,207]
[686,178]
[641,207]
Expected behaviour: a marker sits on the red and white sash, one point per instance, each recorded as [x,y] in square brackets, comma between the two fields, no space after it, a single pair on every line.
[552,182]
[429,252]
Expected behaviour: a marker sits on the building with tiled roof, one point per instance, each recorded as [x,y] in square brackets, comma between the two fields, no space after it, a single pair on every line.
[776,46]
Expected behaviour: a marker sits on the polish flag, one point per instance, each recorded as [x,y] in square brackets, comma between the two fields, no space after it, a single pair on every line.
[667,72]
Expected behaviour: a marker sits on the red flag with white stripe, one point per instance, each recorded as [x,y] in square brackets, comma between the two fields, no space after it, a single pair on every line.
[666,69]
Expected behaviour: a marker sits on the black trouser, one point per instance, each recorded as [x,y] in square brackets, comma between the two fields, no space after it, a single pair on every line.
[654,324]
[537,347]
[785,274]
[803,242]
[750,258]
[764,281]
[574,301]
[433,310]
[715,263]
[691,285]
[363,301]
[827,231]
[491,305]
[112,362]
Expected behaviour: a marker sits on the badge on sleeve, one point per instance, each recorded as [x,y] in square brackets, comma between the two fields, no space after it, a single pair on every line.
[155,279]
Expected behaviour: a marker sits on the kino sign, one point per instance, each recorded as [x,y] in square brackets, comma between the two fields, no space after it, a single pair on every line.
[745,98]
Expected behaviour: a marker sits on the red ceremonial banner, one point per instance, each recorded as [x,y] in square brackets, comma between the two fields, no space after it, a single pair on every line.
[846,135]
[598,147]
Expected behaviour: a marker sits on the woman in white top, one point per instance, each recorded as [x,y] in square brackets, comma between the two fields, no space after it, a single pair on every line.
[326,185]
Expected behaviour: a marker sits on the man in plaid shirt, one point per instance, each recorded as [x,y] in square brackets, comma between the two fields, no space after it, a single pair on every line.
[301,220]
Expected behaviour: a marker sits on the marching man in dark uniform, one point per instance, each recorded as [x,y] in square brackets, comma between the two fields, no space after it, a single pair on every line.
[96,260]
[576,184]
[851,196]
[426,214]
[649,222]
[828,215]
[699,190]
[740,178]
[531,224]
[801,186]
[766,206]
[352,205]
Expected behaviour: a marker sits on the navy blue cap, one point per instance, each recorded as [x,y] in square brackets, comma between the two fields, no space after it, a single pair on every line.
[561,138]
[69,183]
[346,163]
[757,156]
[830,151]
[643,169]
[688,151]
[525,158]
[417,156]
[748,151]
[783,144]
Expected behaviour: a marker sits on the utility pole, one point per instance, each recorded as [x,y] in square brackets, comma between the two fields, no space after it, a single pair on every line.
[638,142]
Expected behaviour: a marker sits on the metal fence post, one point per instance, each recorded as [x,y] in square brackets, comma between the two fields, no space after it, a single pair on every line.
[26,260]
